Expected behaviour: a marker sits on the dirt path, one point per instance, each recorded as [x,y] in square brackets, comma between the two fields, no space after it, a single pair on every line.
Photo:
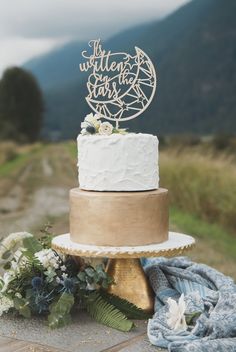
[41,192]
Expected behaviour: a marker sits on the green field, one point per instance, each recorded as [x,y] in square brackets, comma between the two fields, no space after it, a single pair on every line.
[34,187]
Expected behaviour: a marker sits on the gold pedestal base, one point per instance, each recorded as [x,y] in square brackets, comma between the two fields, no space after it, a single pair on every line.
[130,280]
[131,283]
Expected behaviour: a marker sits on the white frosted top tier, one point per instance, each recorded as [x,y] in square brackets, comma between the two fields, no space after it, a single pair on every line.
[118,162]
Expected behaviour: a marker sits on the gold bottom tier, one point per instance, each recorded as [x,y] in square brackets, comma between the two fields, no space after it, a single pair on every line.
[118,218]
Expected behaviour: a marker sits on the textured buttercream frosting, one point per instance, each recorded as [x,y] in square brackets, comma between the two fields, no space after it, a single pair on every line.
[118,162]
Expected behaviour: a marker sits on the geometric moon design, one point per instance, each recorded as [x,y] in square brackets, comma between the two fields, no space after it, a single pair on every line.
[120,86]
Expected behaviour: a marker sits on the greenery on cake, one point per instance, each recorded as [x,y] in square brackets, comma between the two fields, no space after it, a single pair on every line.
[92,125]
[39,281]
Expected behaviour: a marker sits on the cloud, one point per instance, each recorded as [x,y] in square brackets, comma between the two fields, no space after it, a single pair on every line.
[56,18]
[28,28]
[15,51]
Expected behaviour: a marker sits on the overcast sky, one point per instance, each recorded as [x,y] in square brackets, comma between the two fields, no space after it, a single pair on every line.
[30,27]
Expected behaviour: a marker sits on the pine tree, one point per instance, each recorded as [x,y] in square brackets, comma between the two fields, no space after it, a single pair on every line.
[21,106]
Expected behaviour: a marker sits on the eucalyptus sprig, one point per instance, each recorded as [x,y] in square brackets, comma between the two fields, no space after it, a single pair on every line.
[93,278]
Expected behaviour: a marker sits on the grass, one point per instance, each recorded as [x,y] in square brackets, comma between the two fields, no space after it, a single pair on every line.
[72,148]
[216,236]
[21,158]
[201,185]
[18,162]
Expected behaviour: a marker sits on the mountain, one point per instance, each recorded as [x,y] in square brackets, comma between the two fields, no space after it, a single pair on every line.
[58,66]
[194,52]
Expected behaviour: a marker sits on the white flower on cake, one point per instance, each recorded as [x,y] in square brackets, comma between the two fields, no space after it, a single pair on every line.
[91,124]
[105,128]
[175,316]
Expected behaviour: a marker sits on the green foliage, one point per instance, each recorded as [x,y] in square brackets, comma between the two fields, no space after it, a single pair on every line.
[95,276]
[6,255]
[15,165]
[46,236]
[216,236]
[222,141]
[7,266]
[200,185]
[129,309]
[191,318]
[21,106]
[52,285]
[22,306]
[32,246]
[60,311]
[105,313]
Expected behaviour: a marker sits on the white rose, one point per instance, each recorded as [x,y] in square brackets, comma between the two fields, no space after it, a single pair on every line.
[105,128]
[93,120]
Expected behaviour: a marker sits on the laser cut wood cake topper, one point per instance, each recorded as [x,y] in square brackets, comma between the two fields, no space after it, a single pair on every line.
[120,86]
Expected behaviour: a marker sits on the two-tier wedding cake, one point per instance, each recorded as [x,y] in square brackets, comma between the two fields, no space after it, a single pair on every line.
[119,202]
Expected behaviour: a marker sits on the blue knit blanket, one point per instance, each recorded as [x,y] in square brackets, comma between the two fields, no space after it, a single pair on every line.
[209,298]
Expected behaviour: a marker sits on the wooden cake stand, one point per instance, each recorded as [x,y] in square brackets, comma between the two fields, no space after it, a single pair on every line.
[130,281]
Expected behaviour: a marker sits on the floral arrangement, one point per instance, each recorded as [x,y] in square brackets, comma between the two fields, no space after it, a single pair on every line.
[37,280]
[93,125]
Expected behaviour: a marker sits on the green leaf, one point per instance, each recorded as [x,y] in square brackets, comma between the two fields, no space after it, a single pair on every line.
[190,317]
[7,266]
[102,275]
[32,245]
[82,285]
[60,311]
[6,255]
[105,313]
[96,277]
[22,306]
[90,271]
[99,268]
[129,309]
[81,276]
[105,284]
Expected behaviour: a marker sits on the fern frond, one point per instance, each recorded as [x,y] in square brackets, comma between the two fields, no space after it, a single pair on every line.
[126,307]
[105,313]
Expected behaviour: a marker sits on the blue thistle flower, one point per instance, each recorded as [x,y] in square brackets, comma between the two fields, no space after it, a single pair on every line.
[91,129]
[68,285]
[37,282]
[41,301]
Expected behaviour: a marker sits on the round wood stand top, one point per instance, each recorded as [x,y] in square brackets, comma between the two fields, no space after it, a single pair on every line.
[176,245]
